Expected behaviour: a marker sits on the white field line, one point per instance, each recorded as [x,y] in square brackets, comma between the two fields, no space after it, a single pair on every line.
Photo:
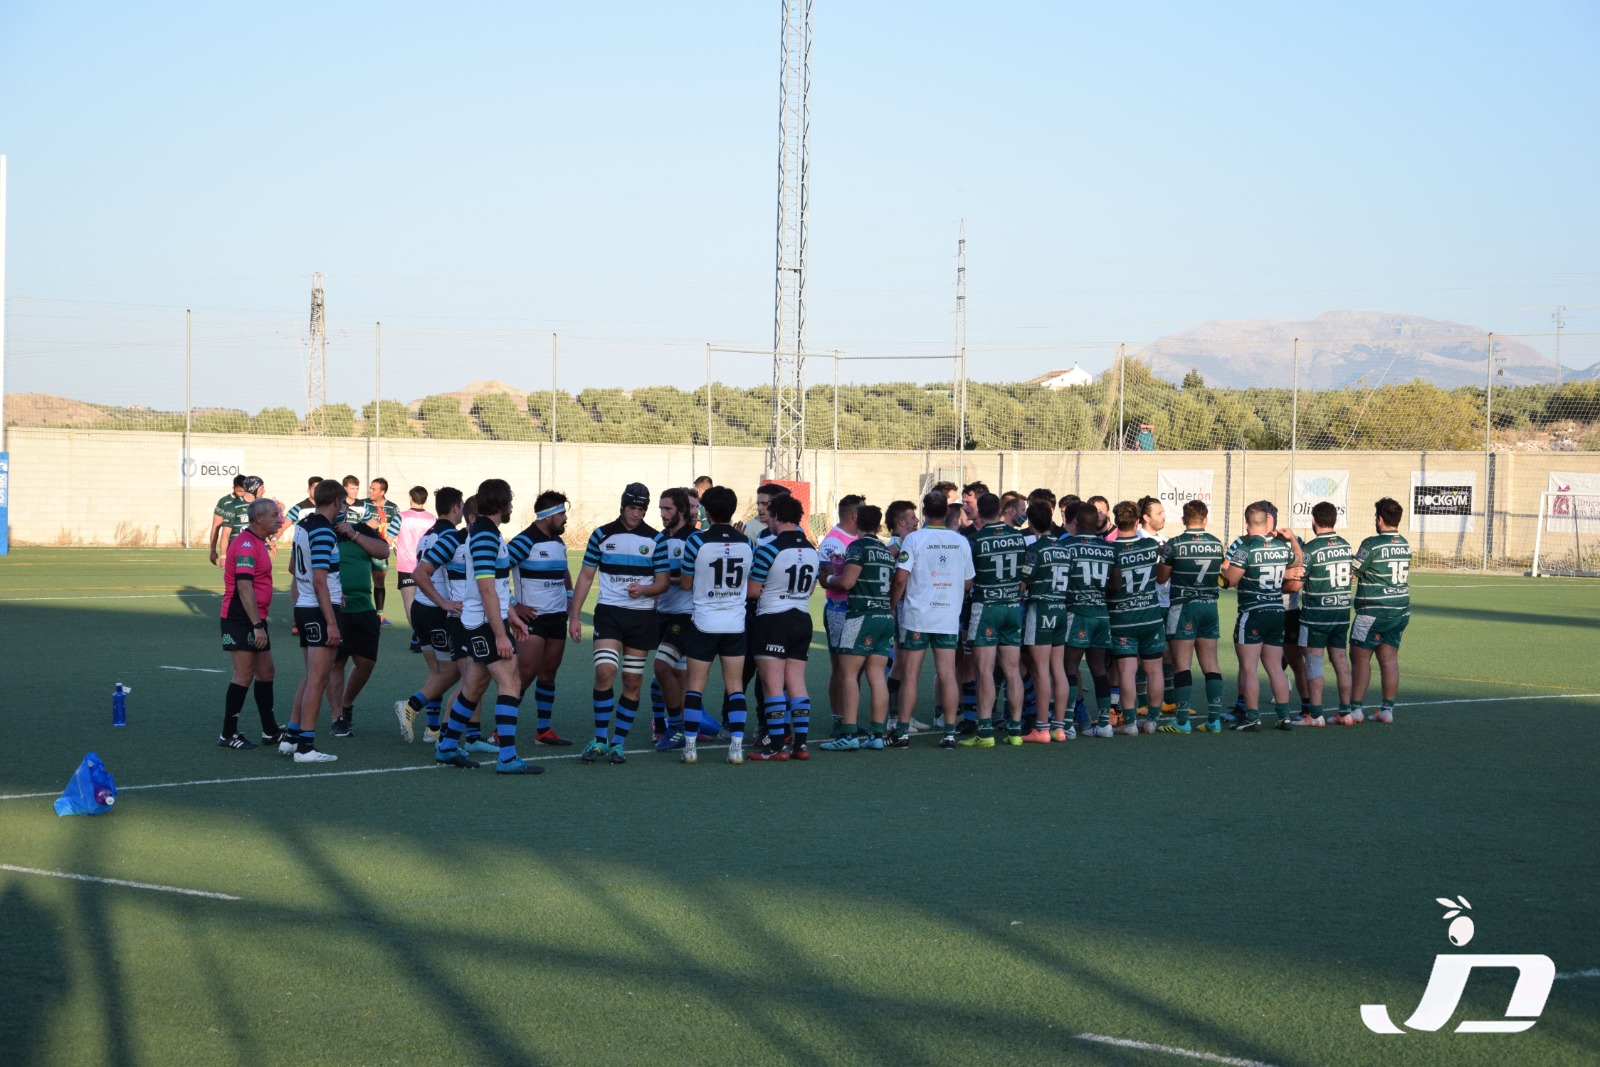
[1592,972]
[119,881]
[314,774]
[1146,1046]
[205,670]
[1496,700]
[119,596]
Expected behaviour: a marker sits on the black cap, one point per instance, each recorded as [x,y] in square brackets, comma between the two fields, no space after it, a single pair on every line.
[1266,505]
[252,484]
[637,495]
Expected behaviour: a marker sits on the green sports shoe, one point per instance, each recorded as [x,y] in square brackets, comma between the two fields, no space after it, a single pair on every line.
[976,741]
[1212,727]
[1176,728]
[1013,739]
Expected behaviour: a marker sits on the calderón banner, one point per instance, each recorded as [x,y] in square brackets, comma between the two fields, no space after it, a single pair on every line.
[1576,507]
[211,468]
[1177,488]
[1311,488]
[1441,501]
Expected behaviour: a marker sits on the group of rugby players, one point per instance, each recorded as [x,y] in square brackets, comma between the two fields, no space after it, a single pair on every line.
[1009,593]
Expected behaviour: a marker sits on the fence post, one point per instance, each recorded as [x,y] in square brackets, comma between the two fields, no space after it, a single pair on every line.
[711,456]
[835,487]
[1294,429]
[1122,425]
[188,416]
[553,449]
[377,400]
[1488,446]
[1227,496]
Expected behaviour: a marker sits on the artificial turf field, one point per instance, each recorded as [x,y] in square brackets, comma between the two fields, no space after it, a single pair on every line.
[1238,896]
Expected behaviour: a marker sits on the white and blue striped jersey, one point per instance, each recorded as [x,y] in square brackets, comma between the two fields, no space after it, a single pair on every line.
[489,560]
[540,560]
[669,557]
[425,545]
[718,560]
[449,557]
[787,568]
[622,558]
[316,548]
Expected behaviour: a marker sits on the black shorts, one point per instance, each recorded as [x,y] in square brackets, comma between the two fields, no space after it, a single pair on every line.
[551,626]
[432,625]
[478,643]
[708,647]
[309,625]
[675,629]
[406,581]
[236,635]
[634,627]
[1291,626]
[359,630]
[783,635]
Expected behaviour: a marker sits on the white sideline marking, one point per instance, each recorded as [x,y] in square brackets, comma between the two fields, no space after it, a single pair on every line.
[1146,1046]
[207,670]
[120,596]
[119,881]
[313,774]
[1592,972]
[1496,700]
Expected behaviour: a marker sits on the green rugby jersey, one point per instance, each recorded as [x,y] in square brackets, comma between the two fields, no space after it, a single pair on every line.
[997,552]
[1196,559]
[355,574]
[233,512]
[1137,602]
[1091,558]
[1264,560]
[1047,568]
[870,594]
[1325,599]
[1383,574]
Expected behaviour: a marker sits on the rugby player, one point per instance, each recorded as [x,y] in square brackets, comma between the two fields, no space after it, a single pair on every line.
[359,546]
[436,612]
[1138,633]
[1325,614]
[831,551]
[385,517]
[305,505]
[1088,619]
[543,590]
[314,569]
[622,554]
[933,572]
[228,515]
[674,612]
[244,625]
[783,574]
[1046,575]
[1190,564]
[1262,567]
[867,638]
[1383,610]
[994,624]
[715,569]
[901,519]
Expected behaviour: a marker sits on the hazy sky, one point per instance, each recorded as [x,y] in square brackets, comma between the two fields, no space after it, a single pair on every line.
[481,175]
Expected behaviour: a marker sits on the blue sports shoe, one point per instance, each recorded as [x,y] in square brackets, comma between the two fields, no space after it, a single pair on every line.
[874,743]
[593,751]
[482,747]
[516,766]
[670,741]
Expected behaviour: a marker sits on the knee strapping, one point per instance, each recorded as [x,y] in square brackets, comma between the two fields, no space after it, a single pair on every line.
[1180,679]
[634,664]
[1313,667]
[607,657]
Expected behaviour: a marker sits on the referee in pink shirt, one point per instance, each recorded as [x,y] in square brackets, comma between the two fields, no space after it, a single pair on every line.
[415,521]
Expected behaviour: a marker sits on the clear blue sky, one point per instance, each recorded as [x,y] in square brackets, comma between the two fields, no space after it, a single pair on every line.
[479,176]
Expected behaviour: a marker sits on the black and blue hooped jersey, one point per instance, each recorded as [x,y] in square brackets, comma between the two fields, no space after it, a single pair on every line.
[489,560]
[540,562]
[622,558]
[718,562]
[425,551]
[316,548]
[669,558]
[449,557]
[787,568]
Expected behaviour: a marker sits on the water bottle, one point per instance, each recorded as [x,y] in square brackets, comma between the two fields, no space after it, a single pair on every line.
[119,705]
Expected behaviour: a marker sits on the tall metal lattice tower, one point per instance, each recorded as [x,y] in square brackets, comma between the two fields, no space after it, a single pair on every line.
[789,296]
[317,365]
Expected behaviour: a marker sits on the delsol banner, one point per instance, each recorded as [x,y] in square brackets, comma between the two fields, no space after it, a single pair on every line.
[211,468]
[1311,488]
[1574,514]
[1441,501]
[1177,488]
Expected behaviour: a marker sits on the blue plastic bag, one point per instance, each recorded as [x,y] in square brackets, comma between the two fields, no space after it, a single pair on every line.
[91,790]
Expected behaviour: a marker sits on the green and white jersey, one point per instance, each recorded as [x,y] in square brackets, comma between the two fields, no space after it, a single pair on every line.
[1325,600]
[1090,559]
[1264,560]
[1047,568]
[1196,560]
[233,511]
[358,513]
[997,552]
[870,595]
[1136,604]
[1383,574]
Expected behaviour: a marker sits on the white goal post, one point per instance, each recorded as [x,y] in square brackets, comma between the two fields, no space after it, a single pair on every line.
[1566,542]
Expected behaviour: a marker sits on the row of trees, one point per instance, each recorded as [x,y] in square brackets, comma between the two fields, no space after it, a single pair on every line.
[902,415]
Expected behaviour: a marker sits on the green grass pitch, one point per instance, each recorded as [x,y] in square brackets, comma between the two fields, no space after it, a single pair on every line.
[1236,895]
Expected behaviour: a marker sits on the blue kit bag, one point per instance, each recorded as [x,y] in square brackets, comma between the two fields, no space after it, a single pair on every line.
[91,790]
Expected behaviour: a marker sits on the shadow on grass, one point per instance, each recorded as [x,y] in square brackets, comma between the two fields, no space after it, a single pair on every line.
[34,974]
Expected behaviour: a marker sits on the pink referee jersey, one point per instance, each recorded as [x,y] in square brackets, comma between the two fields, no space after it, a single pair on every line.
[830,551]
[248,560]
[414,522]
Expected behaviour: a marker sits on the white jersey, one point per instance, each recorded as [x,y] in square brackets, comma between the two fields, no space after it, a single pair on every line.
[489,559]
[938,565]
[316,548]
[540,570]
[441,580]
[786,567]
[1163,589]
[669,551]
[718,561]
[622,558]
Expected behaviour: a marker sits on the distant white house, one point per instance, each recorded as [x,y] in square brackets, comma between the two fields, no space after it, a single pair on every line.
[1063,379]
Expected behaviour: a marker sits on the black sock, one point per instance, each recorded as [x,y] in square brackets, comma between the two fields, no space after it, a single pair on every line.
[232,706]
[269,721]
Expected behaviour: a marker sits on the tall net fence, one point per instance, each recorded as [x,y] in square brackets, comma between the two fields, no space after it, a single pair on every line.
[1466,429]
